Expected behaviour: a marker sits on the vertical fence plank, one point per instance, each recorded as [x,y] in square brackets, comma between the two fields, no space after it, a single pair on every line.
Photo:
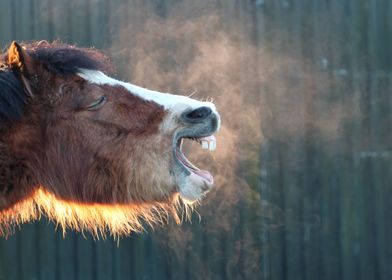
[46,251]
[5,24]
[28,261]
[85,255]
[10,258]
[104,263]
[295,193]
[371,256]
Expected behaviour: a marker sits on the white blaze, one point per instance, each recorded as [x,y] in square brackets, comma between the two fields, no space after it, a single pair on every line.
[167,100]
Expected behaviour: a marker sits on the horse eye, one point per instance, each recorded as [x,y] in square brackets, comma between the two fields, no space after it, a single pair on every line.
[97,103]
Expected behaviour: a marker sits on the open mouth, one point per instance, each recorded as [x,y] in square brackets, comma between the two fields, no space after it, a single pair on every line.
[207,143]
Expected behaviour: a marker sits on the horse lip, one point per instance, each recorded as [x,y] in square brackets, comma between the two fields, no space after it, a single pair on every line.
[210,126]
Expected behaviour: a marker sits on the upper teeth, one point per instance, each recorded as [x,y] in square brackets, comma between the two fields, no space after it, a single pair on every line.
[208,143]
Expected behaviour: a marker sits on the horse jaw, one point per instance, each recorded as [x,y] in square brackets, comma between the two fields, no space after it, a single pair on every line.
[191,187]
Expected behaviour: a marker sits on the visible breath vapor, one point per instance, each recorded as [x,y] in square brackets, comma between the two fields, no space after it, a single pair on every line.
[182,56]
[194,49]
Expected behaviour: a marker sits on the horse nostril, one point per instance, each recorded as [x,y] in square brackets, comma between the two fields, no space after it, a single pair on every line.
[199,114]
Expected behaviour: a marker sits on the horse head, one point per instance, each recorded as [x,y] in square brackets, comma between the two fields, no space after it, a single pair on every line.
[89,151]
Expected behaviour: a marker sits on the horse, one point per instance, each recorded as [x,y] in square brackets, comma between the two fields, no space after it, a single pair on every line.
[90,152]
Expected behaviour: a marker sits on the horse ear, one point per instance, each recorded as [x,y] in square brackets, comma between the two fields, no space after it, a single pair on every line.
[19,58]
[22,62]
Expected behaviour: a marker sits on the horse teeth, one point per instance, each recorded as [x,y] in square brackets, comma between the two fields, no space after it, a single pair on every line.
[212,146]
[207,143]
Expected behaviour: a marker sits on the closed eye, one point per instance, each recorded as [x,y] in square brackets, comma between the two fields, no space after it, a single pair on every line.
[97,103]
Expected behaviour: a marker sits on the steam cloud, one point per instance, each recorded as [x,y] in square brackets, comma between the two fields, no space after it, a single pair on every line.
[196,49]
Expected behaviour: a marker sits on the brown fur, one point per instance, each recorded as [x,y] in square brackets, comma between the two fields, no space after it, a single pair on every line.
[60,153]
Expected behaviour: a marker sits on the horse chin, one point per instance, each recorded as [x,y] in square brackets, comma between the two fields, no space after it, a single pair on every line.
[192,187]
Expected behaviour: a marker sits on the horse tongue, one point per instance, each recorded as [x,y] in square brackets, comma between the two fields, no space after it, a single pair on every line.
[205,175]
[193,169]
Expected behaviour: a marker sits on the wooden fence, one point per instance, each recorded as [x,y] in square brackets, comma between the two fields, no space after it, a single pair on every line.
[310,195]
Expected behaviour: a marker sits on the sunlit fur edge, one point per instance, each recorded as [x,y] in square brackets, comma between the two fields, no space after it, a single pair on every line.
[98,219]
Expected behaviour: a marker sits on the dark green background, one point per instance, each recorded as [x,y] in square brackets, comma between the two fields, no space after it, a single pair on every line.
[312,202]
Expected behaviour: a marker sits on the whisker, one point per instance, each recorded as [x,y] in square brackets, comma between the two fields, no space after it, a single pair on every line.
[193,93]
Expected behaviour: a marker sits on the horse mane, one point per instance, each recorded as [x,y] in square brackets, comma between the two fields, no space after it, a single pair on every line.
[12,97]
[64,59]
